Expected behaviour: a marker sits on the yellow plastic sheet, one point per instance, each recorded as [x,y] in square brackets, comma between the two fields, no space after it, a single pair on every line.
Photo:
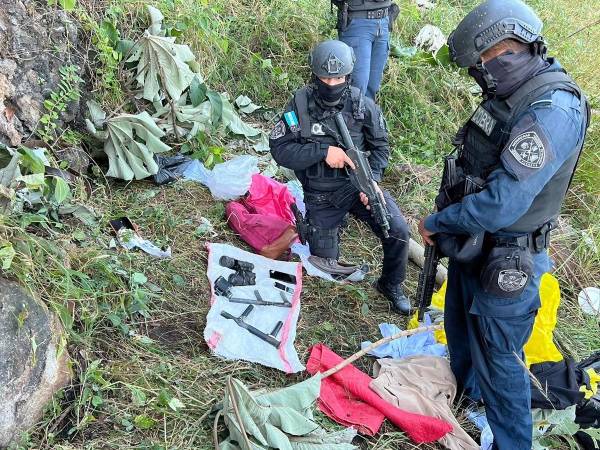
[540,347]
[437,301]
[594,380]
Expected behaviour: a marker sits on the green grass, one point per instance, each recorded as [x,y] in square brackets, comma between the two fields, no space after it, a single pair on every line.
[136,345]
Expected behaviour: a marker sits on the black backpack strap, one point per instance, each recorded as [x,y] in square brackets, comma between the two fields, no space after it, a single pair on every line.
[301,100]
[358,103]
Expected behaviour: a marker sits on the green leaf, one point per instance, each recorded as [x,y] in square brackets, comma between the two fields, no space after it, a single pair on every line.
[245,104]
[235,124]
[124,46]
[31,161]
[161,63]
[443,56]
[364,309]
[65,316]
[129,157]
[197,91]
[175,404]
[61,190]
[96,401]
[33,182]
[7,254]
[178,280]
[144,422]
[67,5]
[137,396]
[110,31]
[138,278]
[216,103]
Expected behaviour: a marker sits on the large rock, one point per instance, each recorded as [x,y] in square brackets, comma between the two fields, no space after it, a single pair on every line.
[35,41]
[28,379]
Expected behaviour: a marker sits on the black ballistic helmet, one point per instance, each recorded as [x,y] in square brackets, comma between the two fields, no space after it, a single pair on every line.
[331,59]
[491,22]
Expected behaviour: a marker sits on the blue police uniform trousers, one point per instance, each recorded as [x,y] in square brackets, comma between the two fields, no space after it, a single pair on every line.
[395,248]
[486,336]
[370,40]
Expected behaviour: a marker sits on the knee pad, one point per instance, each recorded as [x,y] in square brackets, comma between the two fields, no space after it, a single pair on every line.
[324,242]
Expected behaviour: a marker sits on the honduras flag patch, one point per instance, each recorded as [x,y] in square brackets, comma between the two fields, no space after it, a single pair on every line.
[292,121]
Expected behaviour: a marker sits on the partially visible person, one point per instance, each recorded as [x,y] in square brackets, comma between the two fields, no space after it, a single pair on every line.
[365,26]
[519,149]
[307,140]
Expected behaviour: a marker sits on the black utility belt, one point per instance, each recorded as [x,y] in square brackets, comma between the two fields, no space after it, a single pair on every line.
[536,242]
[369,14]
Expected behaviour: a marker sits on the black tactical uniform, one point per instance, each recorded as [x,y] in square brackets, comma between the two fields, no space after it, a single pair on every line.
[300,141]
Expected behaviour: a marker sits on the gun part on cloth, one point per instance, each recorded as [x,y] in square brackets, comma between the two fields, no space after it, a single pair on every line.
[223,288]
[236,264]
[283,287]
[282,276]
[269,338]
[243,276]
[362,177]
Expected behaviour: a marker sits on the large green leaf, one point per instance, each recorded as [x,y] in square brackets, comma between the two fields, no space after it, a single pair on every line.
[235,124]
[161,63]
[130,143]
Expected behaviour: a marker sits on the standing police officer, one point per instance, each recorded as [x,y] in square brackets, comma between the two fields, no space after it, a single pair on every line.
[307,140]
[521,147]
[365,26]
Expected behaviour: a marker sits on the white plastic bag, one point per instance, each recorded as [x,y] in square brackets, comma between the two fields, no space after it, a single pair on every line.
[228,180]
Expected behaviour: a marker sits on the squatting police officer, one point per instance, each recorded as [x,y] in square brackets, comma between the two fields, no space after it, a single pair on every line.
[365,26]
[520,147]
[306,140]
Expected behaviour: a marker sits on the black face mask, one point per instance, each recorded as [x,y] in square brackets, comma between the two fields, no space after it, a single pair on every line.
[511,70]
[330,95]
[504,74]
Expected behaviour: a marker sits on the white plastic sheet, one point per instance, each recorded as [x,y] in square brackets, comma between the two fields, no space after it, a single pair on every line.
[228,180]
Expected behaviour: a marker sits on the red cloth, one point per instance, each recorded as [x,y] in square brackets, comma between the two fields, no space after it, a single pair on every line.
[347,398]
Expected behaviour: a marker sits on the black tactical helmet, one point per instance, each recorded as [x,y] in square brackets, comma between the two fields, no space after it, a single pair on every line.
[491,22]
[331,59]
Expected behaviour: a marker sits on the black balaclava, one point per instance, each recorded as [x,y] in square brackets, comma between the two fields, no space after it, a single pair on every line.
[330,95]
[504,74]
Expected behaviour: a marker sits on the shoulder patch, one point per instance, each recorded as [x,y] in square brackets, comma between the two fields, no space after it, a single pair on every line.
[528,150]
[292,121]
[278,131]
[484,120]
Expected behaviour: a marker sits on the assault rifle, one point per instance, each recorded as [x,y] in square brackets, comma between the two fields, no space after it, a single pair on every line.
[362,177]
[427,278]
[454,187]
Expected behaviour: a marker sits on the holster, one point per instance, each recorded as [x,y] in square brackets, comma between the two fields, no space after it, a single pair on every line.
[394,12]
[507,271]
[342,16]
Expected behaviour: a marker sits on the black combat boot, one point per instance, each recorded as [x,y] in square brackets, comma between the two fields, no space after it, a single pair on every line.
[394,293]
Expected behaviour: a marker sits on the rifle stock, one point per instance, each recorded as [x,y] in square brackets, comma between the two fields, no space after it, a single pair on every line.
[362,177]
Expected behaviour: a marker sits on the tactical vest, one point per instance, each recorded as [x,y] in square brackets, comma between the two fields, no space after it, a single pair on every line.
[483,138]
[318,125]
